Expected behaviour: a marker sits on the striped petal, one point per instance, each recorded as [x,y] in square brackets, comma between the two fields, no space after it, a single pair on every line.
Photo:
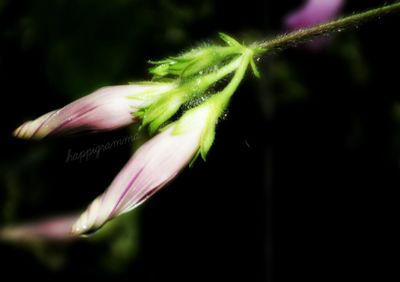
[106,109]
[153,165]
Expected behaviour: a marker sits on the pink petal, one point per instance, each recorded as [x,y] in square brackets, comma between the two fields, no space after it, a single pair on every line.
[155,164]
[106,109]
[313,12]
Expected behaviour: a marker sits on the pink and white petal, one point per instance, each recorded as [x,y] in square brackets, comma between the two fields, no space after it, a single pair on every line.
[106,109]
[155,164]
[174,153]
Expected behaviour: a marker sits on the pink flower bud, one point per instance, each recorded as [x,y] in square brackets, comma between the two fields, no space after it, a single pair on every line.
[106,109]
[153,165]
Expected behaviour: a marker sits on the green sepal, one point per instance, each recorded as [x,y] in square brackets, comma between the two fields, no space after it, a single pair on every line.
[161,67]
[197,60]
[194,159]
[152,94]
[145,95]
[207,139]
[254,68]
[161,119]
[191,119]
[191,63]
[162,110]
[230,40]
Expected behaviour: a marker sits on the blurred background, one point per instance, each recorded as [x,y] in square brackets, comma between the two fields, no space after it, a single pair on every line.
[300,182]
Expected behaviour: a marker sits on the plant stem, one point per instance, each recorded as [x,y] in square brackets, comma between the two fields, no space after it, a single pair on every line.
[225,95]
[339,25]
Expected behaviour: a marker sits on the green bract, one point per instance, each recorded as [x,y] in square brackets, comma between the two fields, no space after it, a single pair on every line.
[195,73]
[208,113]
[206,116]
[191,63]
[197,60]
[163,109]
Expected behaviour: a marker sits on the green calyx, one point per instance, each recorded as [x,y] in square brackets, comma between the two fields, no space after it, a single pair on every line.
[191,63]
[153,92]
[205,118]
[206,115]
[194,74]
[156,114]
[198,60]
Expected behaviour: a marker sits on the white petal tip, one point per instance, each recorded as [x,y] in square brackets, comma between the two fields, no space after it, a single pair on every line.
[76,231]
[28,130]
[21,132]
[35,129]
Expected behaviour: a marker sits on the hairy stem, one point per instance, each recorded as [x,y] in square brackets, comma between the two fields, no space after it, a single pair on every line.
[339,25]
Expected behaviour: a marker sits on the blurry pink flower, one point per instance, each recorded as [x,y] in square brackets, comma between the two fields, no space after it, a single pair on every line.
[153,165]
[106,109]
[53,229]
[313,12]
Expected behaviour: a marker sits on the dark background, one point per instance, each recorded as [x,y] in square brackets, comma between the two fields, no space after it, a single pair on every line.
[300,182]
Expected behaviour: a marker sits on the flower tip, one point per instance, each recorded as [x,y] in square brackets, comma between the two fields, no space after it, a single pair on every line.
[75,231]
[78,229]
[89,221]
[25,131]
[17,132]
[82,230]
[34,129]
